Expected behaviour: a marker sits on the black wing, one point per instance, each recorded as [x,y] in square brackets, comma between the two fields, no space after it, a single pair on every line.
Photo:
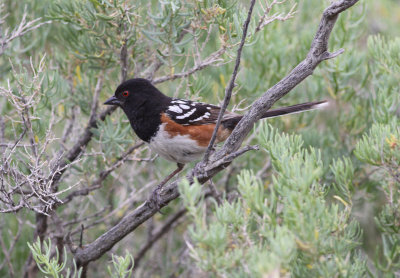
[186,112]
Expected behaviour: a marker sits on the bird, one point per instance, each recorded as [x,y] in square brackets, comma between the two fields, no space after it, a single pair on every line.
[180,130]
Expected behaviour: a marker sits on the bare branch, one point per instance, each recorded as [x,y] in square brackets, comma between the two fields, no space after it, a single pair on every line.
[265,19]
[20,30]
[231,84]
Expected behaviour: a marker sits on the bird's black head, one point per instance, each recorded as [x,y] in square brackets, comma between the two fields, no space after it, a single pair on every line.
[135,92]
[142,103]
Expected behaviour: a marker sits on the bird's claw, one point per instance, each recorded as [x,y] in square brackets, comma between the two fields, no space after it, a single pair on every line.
[155,199]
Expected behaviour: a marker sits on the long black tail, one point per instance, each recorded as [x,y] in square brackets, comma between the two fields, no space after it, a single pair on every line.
[298,108]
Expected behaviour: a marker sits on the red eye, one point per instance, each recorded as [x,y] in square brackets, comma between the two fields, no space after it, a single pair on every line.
[125,93]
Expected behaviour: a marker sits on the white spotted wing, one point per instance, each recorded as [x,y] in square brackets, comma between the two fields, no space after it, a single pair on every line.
[186,112]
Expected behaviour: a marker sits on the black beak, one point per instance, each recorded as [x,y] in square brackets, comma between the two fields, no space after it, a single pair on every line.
[113,101]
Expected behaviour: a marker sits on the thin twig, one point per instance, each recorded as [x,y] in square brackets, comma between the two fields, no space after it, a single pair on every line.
[23,28]
[231,85]
[265,19]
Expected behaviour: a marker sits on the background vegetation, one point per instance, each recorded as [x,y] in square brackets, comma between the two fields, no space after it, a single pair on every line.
[320,199]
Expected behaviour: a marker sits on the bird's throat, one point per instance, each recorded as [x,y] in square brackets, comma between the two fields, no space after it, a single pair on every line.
[145,123]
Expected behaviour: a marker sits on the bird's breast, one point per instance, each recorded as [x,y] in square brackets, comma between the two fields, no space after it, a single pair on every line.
[183,143]
[179,148]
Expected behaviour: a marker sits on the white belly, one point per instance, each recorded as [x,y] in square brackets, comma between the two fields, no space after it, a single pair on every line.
[180,148]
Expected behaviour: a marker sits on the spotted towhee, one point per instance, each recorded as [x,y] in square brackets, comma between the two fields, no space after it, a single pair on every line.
[178,129]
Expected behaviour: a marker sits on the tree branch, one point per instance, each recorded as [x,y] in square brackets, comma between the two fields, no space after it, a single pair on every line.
[20,30]
[219,160]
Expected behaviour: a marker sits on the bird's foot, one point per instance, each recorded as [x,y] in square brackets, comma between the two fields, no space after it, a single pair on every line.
[155,200]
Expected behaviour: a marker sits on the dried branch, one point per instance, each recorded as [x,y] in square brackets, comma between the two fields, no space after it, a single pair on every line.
[231,84]
[20,30]
[35,184]
[265,19]
[204,171]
